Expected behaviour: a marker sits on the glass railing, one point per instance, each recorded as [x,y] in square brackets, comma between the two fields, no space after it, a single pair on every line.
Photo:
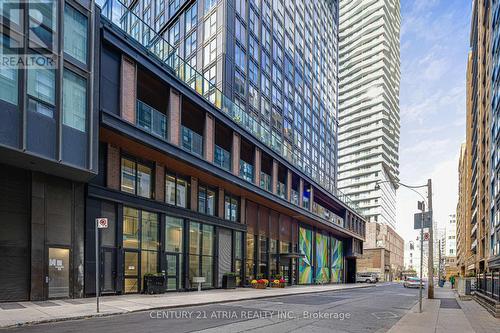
[266,182]
[222,158]
[151,120]
[281,190]
[295,197]
[192,142]
[246,171]
[156,46]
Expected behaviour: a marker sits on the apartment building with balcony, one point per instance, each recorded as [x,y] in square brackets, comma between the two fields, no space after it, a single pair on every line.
[494,232]
[192,184]
[369,77]
[478,134]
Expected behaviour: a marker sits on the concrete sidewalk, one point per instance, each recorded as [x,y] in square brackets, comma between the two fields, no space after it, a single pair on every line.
[446,313]
[25,313]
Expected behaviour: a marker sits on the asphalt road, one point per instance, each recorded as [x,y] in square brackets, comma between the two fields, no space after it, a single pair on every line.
[374,309]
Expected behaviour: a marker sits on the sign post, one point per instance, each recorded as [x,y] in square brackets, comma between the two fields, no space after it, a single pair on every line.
[421,206]
[100,223]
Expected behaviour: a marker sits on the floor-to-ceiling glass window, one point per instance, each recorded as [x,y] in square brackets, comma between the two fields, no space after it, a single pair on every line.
[140,245]
[250,261]
[238,256]
[174,230]
[201,251]
[263,255]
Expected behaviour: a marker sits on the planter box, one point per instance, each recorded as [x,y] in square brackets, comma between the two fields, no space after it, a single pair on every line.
[259,286]
[228,281]
[154,284]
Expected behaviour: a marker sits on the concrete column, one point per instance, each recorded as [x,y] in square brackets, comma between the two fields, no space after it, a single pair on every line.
[220,209]
[235,155]
[160,182]
[257,165]
[194,194]
[274,177]
[288,185]
[243,210]
[209,139]
[128,91]
[301,191]
[174,117]
[113,168]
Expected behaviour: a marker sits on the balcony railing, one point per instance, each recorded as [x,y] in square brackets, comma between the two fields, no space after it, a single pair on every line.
[489,284]
[295,197]
[192,142]
[151,120]
[281,190]
[246,171]
[266,182]
[222,158]
[158,47]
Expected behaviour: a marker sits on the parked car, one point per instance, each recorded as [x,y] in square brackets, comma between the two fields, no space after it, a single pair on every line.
[413,282]
[367,277]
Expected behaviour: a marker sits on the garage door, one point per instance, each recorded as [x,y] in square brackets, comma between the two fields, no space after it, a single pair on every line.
[14,235]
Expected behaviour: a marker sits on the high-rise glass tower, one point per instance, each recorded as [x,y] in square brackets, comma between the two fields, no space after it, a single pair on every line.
[369,77]
[276,59]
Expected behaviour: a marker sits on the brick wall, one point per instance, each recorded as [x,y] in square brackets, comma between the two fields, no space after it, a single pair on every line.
[174,119]
[113,168]
[236,154]
[209,137]
[128,92]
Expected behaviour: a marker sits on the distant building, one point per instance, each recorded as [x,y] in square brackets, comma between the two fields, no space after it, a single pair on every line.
[383,252]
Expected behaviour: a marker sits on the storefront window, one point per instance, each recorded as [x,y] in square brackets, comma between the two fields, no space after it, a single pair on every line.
[250,263]
[238,255]
[263,256]
[149,231]
[130,228]
[201,243]
[139,252]
[173,234]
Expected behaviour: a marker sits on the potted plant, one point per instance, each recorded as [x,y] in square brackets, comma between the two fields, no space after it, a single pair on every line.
[282,283]
[154,283]
[275,283]
[260,283]
[229,280]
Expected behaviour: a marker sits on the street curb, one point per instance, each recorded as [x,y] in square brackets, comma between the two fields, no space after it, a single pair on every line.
[118,313]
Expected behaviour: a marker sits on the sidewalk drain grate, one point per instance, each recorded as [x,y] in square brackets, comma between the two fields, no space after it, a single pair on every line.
[449,303]
[46,304]
[11,306]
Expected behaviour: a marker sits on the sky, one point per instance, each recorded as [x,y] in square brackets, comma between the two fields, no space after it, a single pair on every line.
[434,48]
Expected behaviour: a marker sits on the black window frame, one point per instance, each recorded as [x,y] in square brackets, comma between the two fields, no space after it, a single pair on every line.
[215,208]
[143,162]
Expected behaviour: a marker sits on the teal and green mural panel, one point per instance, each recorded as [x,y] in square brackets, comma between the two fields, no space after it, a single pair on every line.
[322,271]
[337,260]
[305,262]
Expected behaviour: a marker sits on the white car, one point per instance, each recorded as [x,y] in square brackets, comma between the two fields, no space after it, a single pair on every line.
[413,282]
[367,277]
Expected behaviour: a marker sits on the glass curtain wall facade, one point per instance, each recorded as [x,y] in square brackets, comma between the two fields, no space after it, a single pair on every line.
[278,62]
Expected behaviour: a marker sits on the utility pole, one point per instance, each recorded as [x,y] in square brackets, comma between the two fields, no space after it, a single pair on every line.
[421,205]
[430,260]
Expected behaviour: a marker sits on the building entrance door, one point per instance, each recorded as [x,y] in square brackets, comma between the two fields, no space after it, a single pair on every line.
[108,270]
[172,272]
[58,272]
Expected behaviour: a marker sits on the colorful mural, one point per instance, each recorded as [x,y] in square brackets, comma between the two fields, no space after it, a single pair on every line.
[305,263]
[337,262]
[322,271]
